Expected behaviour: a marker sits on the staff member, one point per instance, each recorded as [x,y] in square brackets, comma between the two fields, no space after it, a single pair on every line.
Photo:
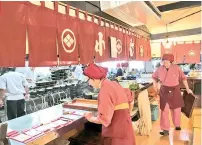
[113,108]
[13,85]
[169,75]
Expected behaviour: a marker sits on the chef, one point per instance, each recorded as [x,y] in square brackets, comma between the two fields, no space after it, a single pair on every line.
[169,76]
[113,108]
[14,86]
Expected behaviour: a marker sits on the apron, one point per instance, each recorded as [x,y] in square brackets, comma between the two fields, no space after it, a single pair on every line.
[120,131]
[172,96]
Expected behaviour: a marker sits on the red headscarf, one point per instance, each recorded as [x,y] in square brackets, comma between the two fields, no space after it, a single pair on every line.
[95,72]
[169,57]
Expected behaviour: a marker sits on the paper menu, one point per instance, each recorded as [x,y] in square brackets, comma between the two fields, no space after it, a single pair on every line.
[44,128]
[33,132]
[21,137]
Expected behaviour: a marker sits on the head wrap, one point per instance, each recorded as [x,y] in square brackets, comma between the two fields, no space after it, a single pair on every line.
[95,72]
[169,57]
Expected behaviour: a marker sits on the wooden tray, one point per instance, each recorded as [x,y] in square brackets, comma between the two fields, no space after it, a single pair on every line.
[82,104]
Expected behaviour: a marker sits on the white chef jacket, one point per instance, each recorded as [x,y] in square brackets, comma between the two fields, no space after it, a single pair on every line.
[14,83]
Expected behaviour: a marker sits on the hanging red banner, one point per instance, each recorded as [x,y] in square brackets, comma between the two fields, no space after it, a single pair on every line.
[139,49]
[114,44]
[87,40]
[120,44]
[143,49]
[167,48]
[101,50]
[125,45]
[42,35]
[13,33]
[148,55]
[187,52]
[107,41]
[67,30]
[131,45]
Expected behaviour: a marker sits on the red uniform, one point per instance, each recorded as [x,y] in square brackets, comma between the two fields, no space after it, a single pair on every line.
[170,94]
[117,125]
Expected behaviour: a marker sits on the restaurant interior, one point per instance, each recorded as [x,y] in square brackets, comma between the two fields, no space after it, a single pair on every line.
[50,43]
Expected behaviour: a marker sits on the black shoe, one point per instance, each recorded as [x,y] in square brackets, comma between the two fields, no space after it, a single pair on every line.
[164,133]
[178,128]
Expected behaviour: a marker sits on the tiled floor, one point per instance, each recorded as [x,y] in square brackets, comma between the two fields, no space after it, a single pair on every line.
[174,138]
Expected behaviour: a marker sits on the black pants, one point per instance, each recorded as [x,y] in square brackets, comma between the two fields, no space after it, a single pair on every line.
[15,108]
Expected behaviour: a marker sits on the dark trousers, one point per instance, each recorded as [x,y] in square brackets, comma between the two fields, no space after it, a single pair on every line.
[15,108]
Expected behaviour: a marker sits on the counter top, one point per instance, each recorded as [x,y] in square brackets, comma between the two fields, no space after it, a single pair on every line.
[194,78]
[37,118]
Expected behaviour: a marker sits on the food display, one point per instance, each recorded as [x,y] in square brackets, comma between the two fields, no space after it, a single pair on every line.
[134,86]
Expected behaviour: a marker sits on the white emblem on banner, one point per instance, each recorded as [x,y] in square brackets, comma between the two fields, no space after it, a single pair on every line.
[119,46]
[116,47]
[100,44]
[192,53]
[68,41]
[132,45]
[141,51]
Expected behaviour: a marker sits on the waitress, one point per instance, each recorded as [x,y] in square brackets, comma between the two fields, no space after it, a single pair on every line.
[113,108]
[169,76]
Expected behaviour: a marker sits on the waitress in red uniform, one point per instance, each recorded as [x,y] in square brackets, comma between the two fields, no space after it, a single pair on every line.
[113,109]
[169,75]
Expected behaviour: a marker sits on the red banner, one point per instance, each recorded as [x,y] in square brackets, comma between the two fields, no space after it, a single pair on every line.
[167,48]
[187,53]
[131,45]
[107,42]
[148,50]
[42,35]
[120,44]
[87,40]
[13,34]
[67,27]
[143,49]
[101,50]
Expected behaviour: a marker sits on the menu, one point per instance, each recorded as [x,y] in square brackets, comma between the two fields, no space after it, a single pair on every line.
[33,132]
[21,137]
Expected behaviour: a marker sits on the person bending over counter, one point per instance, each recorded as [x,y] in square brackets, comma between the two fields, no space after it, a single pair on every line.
[169,76]
[113,108]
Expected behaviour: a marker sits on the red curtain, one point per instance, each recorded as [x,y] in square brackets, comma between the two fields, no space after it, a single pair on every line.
[143,49]
[148,50]
[166,50]
[67,33]
[87,39]
[107,42]
[187,53]
[42,35]
[101,49]
[12,33]
[131,45]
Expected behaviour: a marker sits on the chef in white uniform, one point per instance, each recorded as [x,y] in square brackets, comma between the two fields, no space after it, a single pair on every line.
[14,86]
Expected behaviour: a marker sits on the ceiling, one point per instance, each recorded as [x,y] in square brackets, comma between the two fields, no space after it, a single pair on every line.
[138,14]
[190,22]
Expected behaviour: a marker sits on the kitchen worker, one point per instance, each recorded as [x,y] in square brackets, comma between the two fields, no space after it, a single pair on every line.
[14,87]
[113,108]
[169,76]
